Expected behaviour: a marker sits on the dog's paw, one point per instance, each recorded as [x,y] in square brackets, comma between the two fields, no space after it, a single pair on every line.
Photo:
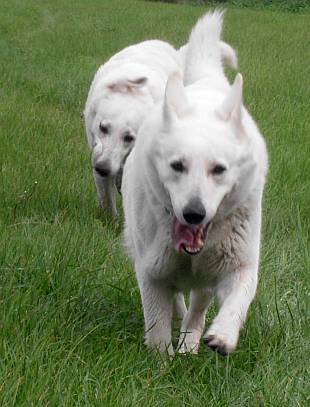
[220,341]
[189,342]
[189,348]
[105,208]
[159,345]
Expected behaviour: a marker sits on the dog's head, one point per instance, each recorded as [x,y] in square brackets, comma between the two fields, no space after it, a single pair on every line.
[203,160]
[113,120]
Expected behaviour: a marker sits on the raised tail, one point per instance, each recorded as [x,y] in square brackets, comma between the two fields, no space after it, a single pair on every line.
[204,48]
[228,55]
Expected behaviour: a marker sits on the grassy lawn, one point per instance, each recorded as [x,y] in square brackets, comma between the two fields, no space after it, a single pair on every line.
[71,325]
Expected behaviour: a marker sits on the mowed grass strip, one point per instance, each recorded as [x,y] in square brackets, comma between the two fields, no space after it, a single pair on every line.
[71,324]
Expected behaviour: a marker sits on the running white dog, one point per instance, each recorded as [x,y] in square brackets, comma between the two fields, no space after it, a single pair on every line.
[123,92]
[192,191]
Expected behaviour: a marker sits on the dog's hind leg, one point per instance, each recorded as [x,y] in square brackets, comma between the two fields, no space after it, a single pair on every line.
[179,306]
[106,193]
[194,321]
[157,301]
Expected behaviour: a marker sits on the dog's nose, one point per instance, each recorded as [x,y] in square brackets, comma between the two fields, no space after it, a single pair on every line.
[194,212]
[103,170]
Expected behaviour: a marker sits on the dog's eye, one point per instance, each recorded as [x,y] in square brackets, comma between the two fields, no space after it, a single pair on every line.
[177,166]
[128,138]
[218,169]
[104,128]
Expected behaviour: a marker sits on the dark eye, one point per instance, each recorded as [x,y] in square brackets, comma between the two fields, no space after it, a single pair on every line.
[104,128]
[128,138]
[177,166]
[218,169]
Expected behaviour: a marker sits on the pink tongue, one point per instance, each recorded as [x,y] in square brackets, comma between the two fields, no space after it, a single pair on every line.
[182,235]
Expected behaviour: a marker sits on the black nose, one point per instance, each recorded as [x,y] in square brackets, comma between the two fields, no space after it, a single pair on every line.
[102,169]
[194,212]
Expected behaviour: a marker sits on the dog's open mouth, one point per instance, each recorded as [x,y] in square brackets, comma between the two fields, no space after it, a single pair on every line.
[188,239]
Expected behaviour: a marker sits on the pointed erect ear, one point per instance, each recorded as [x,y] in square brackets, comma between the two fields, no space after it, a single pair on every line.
[128,85]
[175,102]
[231,108]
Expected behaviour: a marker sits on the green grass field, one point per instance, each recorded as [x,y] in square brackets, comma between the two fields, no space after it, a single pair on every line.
[71,325]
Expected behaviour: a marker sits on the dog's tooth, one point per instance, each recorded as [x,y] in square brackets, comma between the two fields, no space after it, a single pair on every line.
[200,242]
[193,249]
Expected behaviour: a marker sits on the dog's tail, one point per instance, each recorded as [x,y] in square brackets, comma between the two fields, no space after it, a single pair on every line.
[204,48]
[229,55]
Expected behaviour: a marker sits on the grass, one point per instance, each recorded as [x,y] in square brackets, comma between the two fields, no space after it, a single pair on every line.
[71,326]
[283,5]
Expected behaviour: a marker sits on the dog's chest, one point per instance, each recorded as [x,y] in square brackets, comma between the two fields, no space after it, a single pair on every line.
[185,272]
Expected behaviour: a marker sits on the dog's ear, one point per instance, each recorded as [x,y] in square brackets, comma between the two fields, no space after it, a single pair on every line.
[231,108]
[175,101]
[128,85]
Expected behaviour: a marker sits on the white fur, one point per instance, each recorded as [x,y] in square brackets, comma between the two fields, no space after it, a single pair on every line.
[122,93]
[204,124]
[228,55]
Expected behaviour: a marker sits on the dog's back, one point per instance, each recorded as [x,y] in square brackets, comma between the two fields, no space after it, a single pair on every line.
[150,56]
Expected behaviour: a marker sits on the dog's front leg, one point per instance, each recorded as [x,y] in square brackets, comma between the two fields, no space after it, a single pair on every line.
[194,321]
[235,294]
[157,301]
[106,193]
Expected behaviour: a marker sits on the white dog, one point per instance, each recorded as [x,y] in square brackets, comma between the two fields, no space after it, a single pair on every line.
[192,191]
[123,92]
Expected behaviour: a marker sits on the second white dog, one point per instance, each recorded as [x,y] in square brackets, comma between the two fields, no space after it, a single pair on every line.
[123,91]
